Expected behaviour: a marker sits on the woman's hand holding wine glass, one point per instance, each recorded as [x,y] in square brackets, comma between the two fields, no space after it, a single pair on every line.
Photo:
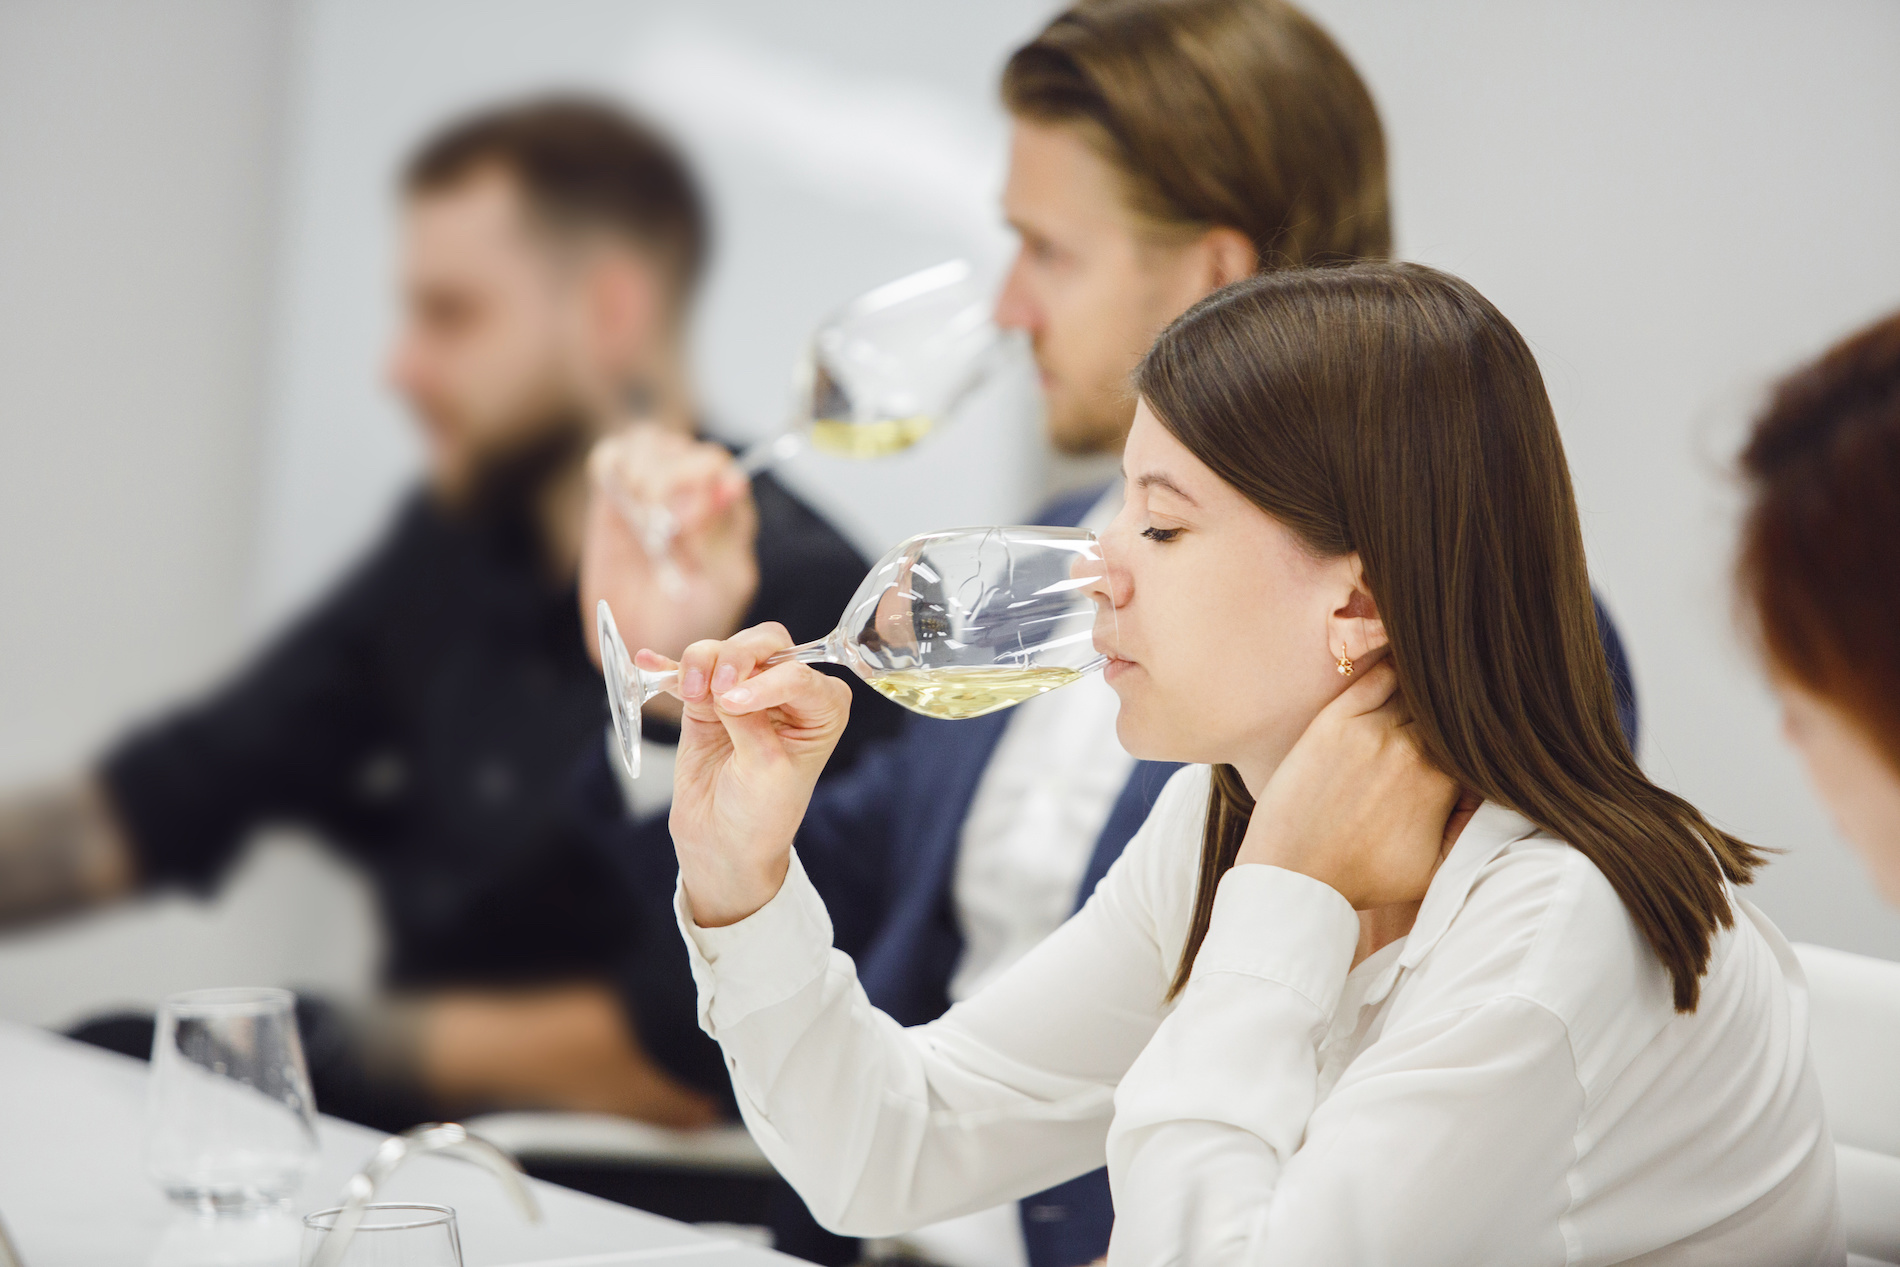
[1355,804]
[752,744]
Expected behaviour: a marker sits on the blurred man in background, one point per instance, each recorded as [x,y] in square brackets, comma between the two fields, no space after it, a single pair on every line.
[425,715]
[1160,149]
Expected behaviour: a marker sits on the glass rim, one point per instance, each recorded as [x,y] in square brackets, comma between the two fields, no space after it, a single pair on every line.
[1057,532]
[229,998]
[900,290]
[438,1216]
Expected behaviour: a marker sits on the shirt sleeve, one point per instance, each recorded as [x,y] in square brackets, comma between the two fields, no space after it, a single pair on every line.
[1443,1140]
[279,742]
[881,1128]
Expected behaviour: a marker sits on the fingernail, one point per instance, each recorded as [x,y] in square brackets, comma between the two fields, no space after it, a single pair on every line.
[724,678]
[694,684]
[737,697]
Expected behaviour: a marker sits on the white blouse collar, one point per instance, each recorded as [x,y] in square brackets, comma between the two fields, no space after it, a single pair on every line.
[1491,830]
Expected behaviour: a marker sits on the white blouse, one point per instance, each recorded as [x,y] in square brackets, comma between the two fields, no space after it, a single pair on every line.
[1509,1083]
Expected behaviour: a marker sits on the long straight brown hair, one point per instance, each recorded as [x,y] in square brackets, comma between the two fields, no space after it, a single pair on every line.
[1389,409]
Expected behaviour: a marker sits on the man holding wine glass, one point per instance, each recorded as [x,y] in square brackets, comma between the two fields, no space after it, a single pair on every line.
[1158,152]
[425,716]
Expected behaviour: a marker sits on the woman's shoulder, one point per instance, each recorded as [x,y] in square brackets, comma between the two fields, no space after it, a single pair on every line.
[1153,881]
[1534,918]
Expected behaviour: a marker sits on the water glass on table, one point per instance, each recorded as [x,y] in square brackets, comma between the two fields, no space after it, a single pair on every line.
[390,1235]
[230,1122]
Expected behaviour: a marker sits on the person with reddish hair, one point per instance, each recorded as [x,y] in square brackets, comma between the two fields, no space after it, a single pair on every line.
[1819,574]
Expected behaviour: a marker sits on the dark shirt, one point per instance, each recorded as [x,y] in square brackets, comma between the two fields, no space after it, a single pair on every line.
[427,718]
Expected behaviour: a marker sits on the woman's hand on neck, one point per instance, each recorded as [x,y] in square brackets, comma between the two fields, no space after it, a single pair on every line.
[1354,804]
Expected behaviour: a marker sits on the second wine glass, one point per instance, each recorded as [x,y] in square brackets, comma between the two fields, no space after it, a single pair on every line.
[951,624]
[880,374]
[889,367]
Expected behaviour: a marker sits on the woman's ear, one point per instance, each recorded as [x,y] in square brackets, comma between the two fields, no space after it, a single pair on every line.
[1354,630]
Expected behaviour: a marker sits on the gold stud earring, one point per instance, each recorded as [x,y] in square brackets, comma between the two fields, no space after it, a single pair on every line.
[1345,662]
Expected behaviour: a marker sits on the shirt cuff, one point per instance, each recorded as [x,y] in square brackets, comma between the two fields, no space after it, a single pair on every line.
[1281,926]
[762,960]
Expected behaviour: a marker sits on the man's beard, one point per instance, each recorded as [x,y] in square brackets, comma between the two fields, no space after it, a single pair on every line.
[1091,429]
[504,492]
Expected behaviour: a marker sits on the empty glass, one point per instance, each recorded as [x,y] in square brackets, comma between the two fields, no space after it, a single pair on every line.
[445,1139]
[950,624]
[230,1121]
[390,1235]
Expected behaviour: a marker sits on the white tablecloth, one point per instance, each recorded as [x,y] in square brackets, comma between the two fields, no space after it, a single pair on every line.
[73,1190]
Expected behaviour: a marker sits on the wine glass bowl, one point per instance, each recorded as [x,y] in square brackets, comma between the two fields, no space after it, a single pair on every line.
[396,1234]
[887,368]
[880,374]
[960,623]
[951,624]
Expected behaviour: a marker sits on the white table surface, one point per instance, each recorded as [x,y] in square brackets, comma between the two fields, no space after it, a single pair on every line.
[73,1189]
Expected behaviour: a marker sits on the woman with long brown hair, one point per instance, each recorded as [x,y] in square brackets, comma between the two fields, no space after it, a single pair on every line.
[1312,1014]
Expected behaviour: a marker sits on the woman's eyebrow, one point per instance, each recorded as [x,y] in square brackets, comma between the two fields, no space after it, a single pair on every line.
[1155,479]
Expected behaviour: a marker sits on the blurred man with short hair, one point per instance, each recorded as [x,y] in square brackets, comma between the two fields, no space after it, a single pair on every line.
[425,715]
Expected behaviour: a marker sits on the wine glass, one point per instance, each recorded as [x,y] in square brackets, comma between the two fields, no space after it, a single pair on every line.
[231,1123]
[886,369]
[950,624]
[390,1235]
[880,374]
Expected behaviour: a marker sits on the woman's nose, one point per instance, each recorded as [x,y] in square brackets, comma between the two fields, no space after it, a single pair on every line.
[1108,582]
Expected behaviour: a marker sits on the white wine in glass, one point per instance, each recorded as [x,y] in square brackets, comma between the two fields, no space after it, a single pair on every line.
[879,375]
[949,624]
[888,368]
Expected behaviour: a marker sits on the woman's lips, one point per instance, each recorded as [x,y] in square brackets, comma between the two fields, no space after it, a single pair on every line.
[1115,667]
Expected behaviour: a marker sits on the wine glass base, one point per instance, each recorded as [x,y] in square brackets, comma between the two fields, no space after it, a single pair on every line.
[623,688]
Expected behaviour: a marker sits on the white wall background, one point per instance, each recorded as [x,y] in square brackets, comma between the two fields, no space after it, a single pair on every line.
[138,161]
[140,155]
[1673,201]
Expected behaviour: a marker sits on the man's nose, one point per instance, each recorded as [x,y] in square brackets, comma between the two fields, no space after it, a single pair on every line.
[1014,309]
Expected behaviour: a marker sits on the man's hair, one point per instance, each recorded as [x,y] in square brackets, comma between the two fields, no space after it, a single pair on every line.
[1820,557]
[1240,114]
[583,165]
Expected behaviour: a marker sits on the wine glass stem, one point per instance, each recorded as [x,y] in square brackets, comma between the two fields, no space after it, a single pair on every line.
[652,684]
[769,452]
[817,651]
